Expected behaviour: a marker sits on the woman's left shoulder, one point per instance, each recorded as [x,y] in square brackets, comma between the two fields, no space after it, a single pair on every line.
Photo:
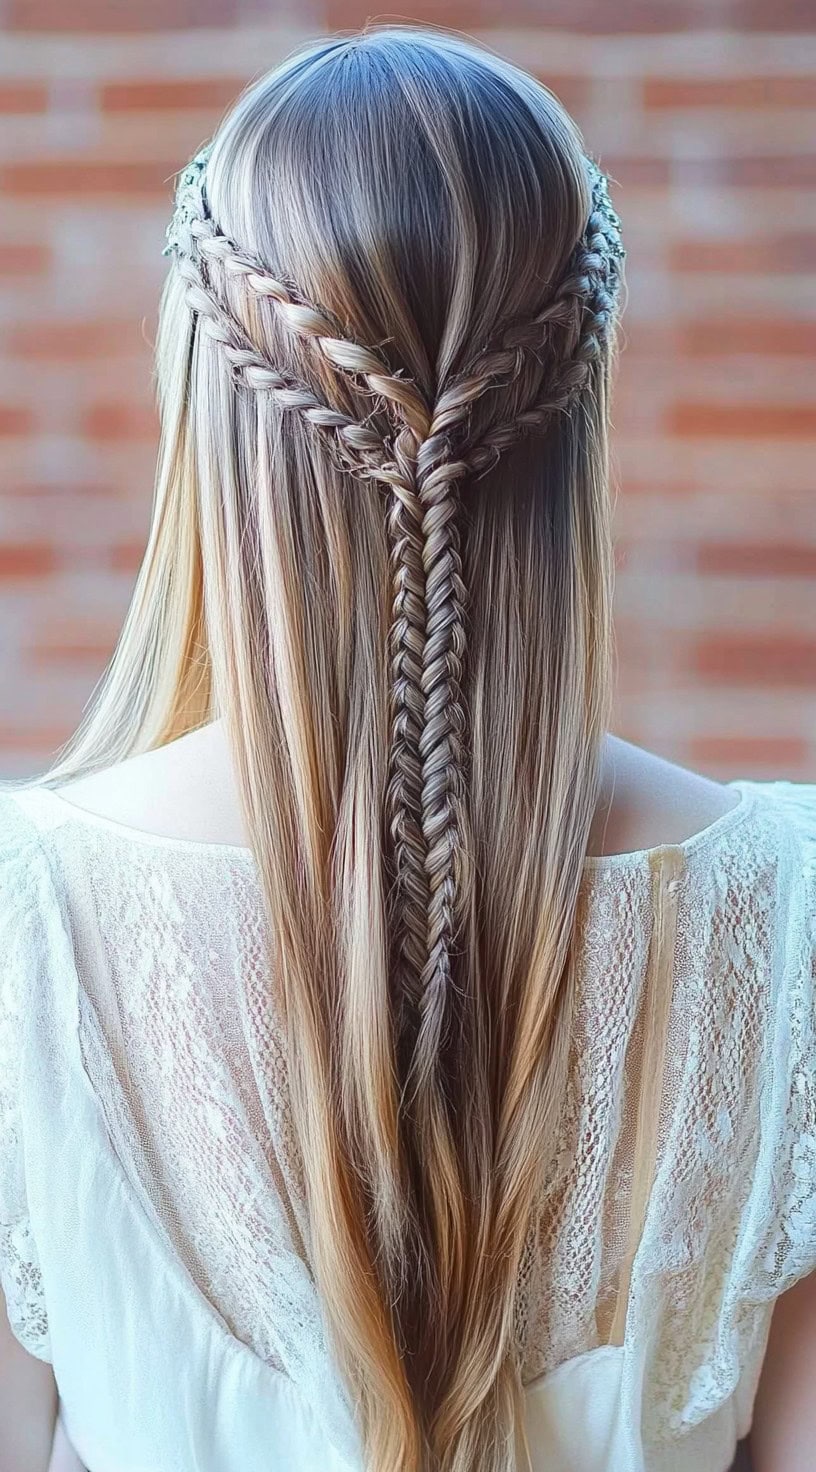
[794,804]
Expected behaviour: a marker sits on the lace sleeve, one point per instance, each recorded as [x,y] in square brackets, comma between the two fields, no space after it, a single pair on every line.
[788,1243]
[20,1276]
[733,1223]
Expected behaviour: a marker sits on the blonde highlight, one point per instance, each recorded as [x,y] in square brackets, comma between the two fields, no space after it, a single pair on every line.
[381,551]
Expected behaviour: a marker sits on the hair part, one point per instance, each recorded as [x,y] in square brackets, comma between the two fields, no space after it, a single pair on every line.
[381,549]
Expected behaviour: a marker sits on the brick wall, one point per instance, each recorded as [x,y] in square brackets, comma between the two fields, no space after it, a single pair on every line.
[702,110]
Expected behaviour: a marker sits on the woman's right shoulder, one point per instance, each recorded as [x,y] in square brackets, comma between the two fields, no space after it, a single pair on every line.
[30,908]
[20,835]
[28,815]
[647,801]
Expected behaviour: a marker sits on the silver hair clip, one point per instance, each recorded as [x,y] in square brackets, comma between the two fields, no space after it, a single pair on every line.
[191,202]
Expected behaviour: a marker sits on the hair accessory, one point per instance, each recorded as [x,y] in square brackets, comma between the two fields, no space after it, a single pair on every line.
[191,201]
[603,204]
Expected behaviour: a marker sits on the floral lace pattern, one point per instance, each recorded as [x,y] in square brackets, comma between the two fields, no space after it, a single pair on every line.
[181,1043]
[20,1275]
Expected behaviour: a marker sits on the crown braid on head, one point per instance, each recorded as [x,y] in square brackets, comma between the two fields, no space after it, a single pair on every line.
[422,461]
[583,304]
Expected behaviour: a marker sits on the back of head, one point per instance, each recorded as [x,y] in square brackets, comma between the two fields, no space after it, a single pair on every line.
[381,549]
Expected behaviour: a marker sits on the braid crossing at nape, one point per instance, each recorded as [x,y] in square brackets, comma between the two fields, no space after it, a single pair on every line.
[422,462]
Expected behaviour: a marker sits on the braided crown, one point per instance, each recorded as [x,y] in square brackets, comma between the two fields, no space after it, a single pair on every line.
[191,203]
[592,280]
[421,464]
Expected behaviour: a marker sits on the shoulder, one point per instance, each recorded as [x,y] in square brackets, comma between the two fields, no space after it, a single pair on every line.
[183,789]
[646,800]
[20,841]
[29,901]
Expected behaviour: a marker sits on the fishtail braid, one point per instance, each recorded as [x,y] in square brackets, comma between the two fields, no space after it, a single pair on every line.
[422,462]
[426,645]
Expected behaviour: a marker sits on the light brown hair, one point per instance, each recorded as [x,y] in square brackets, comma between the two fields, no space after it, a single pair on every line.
[381,550]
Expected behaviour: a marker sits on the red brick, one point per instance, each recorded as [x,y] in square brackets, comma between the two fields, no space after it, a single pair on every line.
[591,17]
[32,735]
[739,754]
[772,660]
[756,559]
[30,259]
[766,255]
[70,341]
[571,90]
[23,97]
[15,419]
[87,177]
[170,93]
[347,15]
[741,421]
[644,170]
[675,490]
[66,489]
[26,560]
[72,639]
[747,92]
[111,421]
[119,16]
[127,556]
[766,336]
[773,15]
[751,170]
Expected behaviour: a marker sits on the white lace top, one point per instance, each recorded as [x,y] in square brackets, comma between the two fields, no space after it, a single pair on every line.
[154,1246]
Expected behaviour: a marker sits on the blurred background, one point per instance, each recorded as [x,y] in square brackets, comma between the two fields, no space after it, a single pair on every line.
[704,114]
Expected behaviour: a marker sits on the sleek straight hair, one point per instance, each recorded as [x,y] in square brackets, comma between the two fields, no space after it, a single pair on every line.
[380,550]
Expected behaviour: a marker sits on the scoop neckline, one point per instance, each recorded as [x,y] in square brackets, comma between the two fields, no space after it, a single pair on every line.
[592,863]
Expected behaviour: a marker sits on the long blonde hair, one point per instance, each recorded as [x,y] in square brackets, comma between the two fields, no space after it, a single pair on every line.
[381,550]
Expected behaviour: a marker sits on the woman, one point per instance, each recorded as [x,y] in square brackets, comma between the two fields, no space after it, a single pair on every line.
[401,1072]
